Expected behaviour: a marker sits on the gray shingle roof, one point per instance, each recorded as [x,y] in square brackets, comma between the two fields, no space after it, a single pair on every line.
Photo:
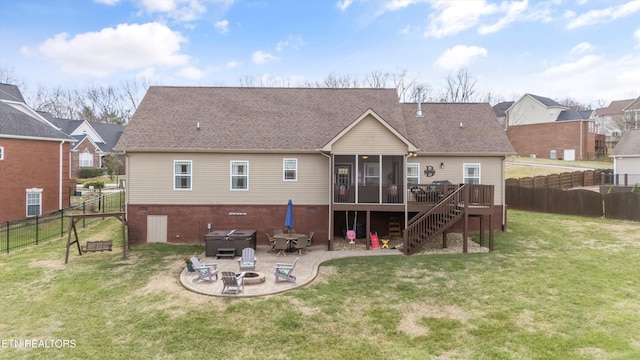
[10,92]
[501,108]
[568,115]
[439,131]
[271,119]
[629,144]
[546,101]
[14,123]
[296,120]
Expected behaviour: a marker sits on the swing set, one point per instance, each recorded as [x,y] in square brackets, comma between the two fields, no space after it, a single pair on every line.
[93,246]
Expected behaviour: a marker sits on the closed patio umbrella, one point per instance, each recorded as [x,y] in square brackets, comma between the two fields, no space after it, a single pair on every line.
[288,220]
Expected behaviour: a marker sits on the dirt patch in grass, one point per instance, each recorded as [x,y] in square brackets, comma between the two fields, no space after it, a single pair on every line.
[454,245]
[413,313]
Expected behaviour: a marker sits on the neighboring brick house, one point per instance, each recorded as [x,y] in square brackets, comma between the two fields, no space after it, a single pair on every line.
[232,157]
[34,160]
[94,141]
[540,127]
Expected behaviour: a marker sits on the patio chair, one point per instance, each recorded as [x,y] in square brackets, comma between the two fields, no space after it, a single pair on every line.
[301,243]
[248,260]
[309,238]
[232,282]
[278,232]
[272,241]
[204,270]
[283,271]
[281,245]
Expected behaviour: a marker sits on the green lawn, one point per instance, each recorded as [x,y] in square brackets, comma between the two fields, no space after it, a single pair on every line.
[556,287]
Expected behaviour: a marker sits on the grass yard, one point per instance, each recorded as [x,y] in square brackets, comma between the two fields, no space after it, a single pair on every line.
[519,167]
[556,287]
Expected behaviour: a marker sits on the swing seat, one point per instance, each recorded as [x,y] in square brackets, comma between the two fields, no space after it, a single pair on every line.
[351,235]
[93,246]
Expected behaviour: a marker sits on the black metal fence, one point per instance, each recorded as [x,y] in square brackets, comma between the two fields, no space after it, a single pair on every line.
[21,233]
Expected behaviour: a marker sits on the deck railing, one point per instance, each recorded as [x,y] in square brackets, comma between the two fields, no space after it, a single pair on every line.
[444,214]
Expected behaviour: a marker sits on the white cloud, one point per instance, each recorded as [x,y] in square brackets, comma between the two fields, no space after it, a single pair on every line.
[107,2]
[453,17]
[573,67]
[636,35]
[191,73]
[180,10]
[604,15]
[459,56]
[583,47]
[393,5]
[292,41]
[127,47]
[260,57]
[343,4]
[513,12]
[222,26]
[232,64]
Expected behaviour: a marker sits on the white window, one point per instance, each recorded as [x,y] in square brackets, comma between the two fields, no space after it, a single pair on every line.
[239,175]
[413,173]
[471,173]
[1,152]
[34,202]
[553,155]
[290,169]
[86,159]
[182,174]
[371,173]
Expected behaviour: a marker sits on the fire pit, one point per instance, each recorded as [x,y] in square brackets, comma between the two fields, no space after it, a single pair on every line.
[253,277]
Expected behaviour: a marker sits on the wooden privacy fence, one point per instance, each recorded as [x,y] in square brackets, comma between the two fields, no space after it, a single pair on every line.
[621,206]
[565,180]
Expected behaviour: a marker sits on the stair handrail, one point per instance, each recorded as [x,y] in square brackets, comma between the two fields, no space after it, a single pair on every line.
[439,213]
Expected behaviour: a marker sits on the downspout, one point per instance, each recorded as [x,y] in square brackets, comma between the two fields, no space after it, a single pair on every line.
[60,176]
[581,131]
[404,196]
[503,191]
[330,247]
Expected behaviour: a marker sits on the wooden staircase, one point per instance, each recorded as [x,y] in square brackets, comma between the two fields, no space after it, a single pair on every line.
[464,201]
[394,227]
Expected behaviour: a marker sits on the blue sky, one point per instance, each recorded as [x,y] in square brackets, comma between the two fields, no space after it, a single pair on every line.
[584,49]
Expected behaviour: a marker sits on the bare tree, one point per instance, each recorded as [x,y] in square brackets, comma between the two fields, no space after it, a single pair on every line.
[574,104]
[59,102]
[459,87]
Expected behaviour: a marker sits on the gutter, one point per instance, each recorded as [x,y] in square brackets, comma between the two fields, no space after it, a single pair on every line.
[60,175]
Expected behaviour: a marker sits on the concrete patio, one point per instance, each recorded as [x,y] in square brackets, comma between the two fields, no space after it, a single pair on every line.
[305,271]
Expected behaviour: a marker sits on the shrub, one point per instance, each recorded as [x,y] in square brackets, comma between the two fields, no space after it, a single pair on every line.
[90,173]
[95,184]
[635,188]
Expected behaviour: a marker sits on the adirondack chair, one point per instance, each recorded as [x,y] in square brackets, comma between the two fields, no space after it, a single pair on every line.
[232,282]
[204,270]
[248,260]
[284,271]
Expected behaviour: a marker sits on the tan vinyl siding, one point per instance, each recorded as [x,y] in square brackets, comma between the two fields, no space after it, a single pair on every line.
[369,136]
[490,170]
[529,111]
[150,179]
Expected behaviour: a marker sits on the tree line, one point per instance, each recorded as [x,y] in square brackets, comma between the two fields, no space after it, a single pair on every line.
[116,104]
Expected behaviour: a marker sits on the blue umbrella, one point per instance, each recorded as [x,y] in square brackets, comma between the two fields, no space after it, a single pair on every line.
[288,220]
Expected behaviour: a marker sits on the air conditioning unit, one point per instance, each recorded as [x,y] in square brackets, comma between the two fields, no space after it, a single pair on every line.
[533,156]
